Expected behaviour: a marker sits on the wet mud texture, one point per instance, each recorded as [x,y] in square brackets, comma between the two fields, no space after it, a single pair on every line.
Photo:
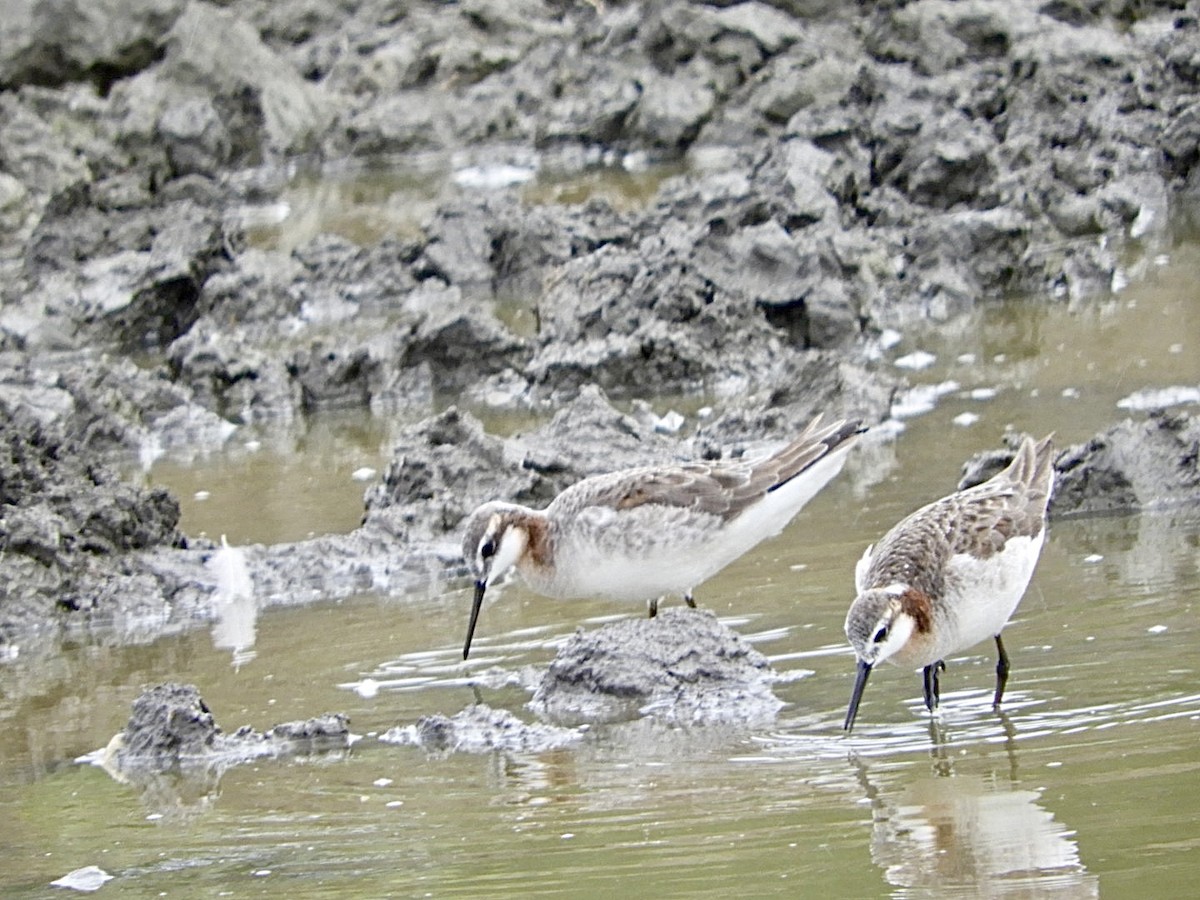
[174,753]
[1144,466]
[844,169]
[170,725]
[481,729]
[682,666]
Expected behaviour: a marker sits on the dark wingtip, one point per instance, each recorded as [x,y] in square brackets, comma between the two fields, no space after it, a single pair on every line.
[848,431]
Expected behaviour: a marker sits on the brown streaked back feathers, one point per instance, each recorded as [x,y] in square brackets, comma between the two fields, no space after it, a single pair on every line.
[978,521]
[723,489]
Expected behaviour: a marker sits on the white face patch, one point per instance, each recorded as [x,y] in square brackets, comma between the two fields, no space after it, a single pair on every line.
[513,541]
[898,629]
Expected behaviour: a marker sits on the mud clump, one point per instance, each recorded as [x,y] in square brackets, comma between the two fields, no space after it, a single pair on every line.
[169,722]
[69,524]
[171,726]
[682,666]
[1152,465]
[173,752]
[481,729]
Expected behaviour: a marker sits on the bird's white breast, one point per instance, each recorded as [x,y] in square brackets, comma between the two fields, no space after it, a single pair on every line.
[981,594]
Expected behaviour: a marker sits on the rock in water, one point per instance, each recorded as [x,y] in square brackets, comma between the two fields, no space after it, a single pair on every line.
[171,726]
[168,722]
[683,667]
[1132,466]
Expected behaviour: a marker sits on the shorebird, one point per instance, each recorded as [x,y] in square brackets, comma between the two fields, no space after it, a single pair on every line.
[950,575]
[642,533]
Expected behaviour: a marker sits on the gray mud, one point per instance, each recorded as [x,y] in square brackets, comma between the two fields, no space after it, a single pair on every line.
[1132,466]
[682,667]
[174,752]
[170,726]
[481,729]
[842,170]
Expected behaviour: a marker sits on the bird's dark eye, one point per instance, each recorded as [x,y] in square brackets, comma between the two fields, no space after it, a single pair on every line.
[487,549]
[880,635]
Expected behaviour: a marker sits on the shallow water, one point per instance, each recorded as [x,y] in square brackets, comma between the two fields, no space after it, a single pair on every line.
[367,204]
[1087,785]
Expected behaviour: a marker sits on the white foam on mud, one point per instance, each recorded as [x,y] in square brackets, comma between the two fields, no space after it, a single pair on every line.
[915,361]
[87,879]
[921,399]
[1160,398]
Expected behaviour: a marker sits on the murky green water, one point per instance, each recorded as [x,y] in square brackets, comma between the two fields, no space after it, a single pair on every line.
[265,488]
[366,205]
[1087,786]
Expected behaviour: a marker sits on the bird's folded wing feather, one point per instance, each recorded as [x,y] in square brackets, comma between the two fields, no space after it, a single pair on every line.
[720,491]
[986,520]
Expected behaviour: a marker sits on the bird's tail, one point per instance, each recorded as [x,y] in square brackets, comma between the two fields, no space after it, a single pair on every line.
[1033,465]
[815,442]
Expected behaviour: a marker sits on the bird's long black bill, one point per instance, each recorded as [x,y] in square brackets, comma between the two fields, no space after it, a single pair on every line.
[480,588]
[860,683]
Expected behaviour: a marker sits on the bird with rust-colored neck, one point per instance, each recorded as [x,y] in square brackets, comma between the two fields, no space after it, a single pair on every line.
[640,534]
[951,574]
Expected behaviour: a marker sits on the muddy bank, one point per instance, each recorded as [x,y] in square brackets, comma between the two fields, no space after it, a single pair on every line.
[1133,466]
[841,170]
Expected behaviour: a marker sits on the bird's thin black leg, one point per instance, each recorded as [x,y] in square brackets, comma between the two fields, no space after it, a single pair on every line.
[1001,673]
[654,607]
[687,598]
[933,692]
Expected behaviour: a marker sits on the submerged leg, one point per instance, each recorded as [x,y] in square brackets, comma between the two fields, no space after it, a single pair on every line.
[933,690]
[1001,673]
[687,598]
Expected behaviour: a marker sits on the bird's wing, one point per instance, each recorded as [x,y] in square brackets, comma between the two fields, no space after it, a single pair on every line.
[722,491]
[978,521]
[724,488]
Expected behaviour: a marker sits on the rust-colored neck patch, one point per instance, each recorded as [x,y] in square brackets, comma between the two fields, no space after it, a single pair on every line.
[538,550]
[919,606]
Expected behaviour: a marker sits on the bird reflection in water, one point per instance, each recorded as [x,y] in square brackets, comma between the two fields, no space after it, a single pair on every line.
[979,833]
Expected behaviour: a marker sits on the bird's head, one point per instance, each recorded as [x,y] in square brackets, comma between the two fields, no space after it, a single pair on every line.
[494,541]
[878,625]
